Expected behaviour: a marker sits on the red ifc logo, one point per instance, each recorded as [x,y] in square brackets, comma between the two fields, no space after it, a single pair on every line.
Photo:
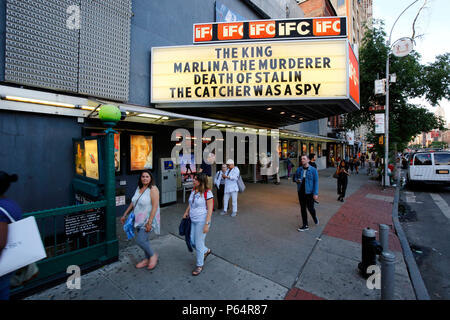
[327,27]
[203,32]
[231,31]
[258,30]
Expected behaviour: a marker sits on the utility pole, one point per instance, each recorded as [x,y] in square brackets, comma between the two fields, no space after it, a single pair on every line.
[386,118]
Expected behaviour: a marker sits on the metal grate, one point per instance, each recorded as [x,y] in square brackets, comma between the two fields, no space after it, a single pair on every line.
[105,48]
[40,50]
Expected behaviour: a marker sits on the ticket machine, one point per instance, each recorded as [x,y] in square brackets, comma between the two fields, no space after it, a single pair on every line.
[168,179]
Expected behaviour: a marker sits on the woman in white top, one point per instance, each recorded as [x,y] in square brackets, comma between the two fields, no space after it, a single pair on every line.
[231,187]
[200,210]
[145,205]
[220,184]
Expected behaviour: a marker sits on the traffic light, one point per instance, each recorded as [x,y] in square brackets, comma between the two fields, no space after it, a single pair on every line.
[381,140]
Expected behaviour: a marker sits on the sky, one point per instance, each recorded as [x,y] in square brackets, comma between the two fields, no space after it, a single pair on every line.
[433,23]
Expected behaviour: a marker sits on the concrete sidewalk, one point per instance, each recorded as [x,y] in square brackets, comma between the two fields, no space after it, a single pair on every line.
[259,254]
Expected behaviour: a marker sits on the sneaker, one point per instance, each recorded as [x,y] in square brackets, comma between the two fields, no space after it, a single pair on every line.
[342,199]
[304,228]
[316,221]
[223,213]
[234,214]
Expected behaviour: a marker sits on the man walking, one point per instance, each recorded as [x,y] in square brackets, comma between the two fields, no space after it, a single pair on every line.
[307,180]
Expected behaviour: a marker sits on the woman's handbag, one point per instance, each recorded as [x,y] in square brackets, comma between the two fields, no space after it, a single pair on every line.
[241,184]
[335,175]
[24,245]
[128,226]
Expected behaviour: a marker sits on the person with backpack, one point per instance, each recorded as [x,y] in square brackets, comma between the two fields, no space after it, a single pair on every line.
[231,187]
[15,212]
[199,210]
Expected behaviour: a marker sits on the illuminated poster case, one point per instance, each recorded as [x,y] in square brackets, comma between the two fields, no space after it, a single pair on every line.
[141,152]
[88,159]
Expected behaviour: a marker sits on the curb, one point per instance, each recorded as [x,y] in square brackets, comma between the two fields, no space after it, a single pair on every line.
[416,278]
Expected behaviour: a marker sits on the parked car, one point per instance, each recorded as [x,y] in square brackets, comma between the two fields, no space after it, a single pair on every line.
[429,167]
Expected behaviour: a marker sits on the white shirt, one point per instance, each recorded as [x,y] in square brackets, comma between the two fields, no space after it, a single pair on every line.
[218,180]
[231,183]
[197,205]
[142,208]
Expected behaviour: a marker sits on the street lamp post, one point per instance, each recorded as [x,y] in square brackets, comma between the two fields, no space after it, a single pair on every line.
[386,117]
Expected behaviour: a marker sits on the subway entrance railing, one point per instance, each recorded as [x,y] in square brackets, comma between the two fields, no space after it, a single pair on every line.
[82,235]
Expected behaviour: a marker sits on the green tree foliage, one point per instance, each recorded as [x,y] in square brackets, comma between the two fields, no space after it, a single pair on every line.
[413,80]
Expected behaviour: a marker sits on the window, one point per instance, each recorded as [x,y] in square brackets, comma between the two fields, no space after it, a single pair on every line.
[422,159]
[442,159]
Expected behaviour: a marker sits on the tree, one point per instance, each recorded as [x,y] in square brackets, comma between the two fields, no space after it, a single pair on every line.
[439,144]
[406,120]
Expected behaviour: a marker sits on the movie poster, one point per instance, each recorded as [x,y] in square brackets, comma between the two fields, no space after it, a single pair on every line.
[116,148]
[91,158]
[187,167]
[141,152]
[80,161]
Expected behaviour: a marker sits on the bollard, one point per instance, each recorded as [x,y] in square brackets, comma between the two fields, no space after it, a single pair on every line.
[370,248]
[384,236]
[387,259]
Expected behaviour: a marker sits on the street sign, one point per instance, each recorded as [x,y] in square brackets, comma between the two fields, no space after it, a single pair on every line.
[350,135]
[379,123]
[376,108]
[380,86]
[402,47]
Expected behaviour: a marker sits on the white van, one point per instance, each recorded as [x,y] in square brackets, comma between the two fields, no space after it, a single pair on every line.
[429,167]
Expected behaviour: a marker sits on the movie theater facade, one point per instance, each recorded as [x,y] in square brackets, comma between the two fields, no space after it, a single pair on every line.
[167,65]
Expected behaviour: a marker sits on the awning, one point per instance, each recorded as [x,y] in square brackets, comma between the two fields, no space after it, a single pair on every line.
[273,115]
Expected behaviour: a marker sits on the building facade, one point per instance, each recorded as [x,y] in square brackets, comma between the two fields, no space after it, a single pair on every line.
[62,59]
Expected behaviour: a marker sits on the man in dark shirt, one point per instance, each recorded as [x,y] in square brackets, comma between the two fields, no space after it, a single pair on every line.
[312,160]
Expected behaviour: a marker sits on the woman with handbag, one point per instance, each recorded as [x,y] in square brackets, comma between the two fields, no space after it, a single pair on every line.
[145,206]
[342,180]
[16,213]
[199,210]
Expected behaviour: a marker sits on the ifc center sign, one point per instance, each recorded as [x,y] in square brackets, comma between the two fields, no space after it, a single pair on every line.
[255,71]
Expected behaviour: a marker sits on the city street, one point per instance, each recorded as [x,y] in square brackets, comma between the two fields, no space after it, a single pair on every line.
[424,213]
[117,116]
[259,254]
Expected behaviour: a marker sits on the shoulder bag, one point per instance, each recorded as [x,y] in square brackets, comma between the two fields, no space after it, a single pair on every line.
[24,245]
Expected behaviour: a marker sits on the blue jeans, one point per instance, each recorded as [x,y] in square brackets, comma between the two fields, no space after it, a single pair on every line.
[143,241]
[198,241]
[4,286]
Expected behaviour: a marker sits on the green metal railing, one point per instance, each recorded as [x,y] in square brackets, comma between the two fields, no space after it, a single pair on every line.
[92,250]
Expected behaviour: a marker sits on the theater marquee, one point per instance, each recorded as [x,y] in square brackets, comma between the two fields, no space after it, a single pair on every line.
[286,29]
[265,71]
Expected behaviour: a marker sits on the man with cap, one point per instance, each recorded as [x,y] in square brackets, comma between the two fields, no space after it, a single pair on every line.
[231,187]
